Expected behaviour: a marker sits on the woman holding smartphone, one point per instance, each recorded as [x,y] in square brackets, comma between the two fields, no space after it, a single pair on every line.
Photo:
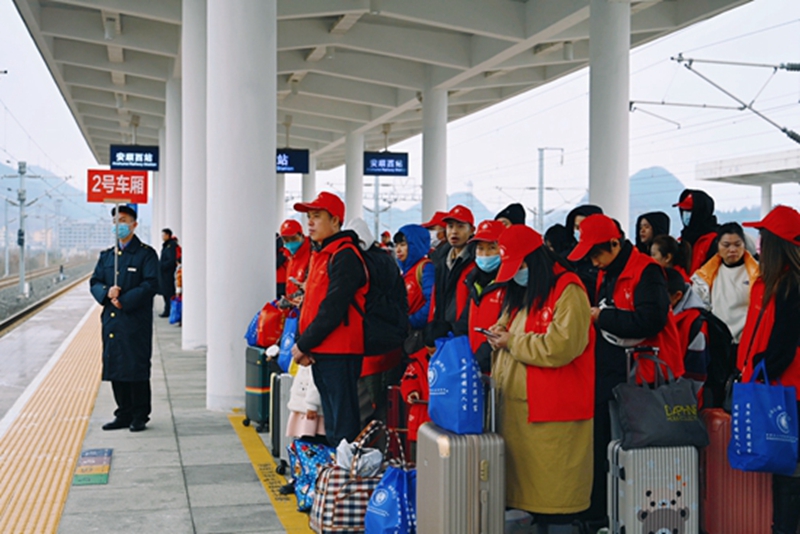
[543,365]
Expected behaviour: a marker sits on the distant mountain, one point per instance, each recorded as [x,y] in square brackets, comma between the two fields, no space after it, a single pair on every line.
[395,218]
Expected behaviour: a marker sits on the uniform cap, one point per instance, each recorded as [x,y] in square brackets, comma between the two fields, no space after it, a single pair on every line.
[595,230]
[488,231]
[782,221]
[124,209]
[290,227]
[516,242]
[436,220]
[460,214]
[324,201]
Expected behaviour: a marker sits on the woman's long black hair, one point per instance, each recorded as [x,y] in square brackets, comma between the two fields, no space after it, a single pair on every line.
[541,281]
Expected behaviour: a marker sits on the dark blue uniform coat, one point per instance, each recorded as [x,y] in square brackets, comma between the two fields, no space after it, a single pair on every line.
[127,333]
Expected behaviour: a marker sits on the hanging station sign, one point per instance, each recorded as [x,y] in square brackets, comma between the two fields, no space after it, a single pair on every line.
[386,163]
[292,160]
[134,157]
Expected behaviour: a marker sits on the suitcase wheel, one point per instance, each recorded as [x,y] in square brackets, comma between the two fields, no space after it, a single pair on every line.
[261,428]
[282,468]
[246,422]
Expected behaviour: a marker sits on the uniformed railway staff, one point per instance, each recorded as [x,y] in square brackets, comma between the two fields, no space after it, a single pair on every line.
[127,321]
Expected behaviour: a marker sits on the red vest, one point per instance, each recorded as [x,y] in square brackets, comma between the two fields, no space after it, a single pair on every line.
[413,278]
[297,265]
[560,393]
[755,339]
[348,337]
[484,313]
[462,293]
[700,251]
[415,379]
[667,340]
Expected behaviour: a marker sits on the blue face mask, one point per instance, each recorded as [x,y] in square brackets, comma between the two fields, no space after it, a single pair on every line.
[686,217]
[292,246]
[488,264]
[521,277]
[577,234]
[122,231]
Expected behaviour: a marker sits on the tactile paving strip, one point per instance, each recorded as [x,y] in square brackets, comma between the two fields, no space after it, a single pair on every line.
[39,451]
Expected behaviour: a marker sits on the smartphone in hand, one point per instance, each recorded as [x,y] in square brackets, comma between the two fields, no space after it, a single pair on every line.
[485,332]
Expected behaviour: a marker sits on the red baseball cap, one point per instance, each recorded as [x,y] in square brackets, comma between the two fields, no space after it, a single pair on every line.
[436,220]
[595,229]
[386,234]
[488,231]
[290,227]
[324,201]
[686,204]
[516,242]
[782,221]
[461,214]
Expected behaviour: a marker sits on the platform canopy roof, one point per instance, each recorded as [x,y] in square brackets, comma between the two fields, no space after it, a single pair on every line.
[343,65]
[762,169]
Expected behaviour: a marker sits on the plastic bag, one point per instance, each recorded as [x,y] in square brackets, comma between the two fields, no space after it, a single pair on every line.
[367,465]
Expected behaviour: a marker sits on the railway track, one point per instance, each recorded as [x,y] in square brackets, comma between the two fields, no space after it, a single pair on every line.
[13,320]
[32,275]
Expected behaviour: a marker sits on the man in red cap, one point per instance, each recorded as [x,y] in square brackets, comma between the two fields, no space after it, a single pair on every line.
[699,225]
[772,335]
[298,252]
[331,330]
[633,309]
[438,229]
[486,295]
[457,259]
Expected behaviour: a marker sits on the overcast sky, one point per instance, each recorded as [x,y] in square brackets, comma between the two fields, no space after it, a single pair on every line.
[498,146]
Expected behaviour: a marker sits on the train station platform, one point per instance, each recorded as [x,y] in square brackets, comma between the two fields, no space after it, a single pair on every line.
[191,471]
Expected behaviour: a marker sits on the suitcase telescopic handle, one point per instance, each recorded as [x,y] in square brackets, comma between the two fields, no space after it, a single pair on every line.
[492,408]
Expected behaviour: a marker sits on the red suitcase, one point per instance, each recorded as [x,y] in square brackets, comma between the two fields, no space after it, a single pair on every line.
[731,501]
[396,419]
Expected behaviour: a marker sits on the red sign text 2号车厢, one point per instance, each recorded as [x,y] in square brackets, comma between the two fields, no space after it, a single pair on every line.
[124,187]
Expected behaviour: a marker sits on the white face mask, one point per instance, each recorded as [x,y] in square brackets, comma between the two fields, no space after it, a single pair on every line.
[435,241]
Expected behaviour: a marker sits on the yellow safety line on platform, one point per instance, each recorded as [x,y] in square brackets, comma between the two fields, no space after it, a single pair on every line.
[264,464]
[39,451]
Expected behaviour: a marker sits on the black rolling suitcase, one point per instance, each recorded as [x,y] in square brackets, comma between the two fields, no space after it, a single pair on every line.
[257,388]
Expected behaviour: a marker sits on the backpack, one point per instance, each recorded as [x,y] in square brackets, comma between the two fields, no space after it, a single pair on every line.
[722,363]
[386,304]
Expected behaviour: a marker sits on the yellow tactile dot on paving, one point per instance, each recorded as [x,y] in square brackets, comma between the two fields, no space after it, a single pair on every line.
[39,451]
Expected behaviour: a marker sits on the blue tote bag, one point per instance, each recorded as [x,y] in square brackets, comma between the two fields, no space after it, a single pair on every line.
[252,331]
[392,506]
[456,392]
[763,426]
[287,340]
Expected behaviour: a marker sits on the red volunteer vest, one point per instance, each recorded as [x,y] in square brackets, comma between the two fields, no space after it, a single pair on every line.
[561,393]
[668,340]
[462,293]
[416,299]
[348,337]
[755,339]
[297,265]
[700,251]
[484,313]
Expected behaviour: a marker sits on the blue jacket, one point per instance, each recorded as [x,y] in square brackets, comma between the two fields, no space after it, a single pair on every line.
[419,242]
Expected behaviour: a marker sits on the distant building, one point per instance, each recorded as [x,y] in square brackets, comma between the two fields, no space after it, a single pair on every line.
[84,236]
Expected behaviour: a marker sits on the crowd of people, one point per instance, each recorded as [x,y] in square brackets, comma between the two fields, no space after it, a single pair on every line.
[549,317]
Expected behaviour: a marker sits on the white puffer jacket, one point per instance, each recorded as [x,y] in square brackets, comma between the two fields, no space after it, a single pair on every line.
[304,396]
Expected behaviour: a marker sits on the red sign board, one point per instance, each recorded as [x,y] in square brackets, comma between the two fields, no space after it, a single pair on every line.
[125,187]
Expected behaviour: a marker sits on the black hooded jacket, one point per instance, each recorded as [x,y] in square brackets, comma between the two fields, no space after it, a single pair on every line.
[703,220]
[660,223]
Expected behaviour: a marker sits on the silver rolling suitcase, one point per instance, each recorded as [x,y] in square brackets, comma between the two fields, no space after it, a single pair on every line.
[655,489]
[461,480]
[280,386]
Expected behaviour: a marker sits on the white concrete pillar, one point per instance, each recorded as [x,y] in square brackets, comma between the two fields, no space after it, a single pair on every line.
[242,47]
[434,152]
[609,88]
[354,175]
[161,184]
[766,199]
[310,180]
[155,206]
[193,199]
[280,199]
[173,163]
